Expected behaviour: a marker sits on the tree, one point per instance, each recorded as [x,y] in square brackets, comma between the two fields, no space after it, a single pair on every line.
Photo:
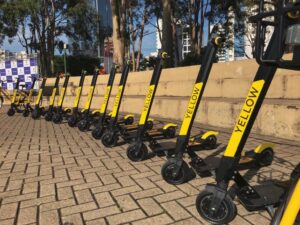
[41,23]
[167,37]
[119,30]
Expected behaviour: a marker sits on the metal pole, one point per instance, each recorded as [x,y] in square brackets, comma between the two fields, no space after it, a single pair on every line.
[65,58]
[98,29]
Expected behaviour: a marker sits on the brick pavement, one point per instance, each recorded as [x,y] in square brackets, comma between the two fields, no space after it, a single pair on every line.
[52,174]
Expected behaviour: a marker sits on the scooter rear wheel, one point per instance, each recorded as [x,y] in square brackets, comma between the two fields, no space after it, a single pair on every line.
[224,215]
[129,120]
[167,172]
[136,152]
[265,158]
[169,132]
[211,142]
[35,114]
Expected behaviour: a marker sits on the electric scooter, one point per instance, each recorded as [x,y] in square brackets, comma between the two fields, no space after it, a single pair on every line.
[59,112]
[38,109]
[142,131]
[27,107]
[17,101]
[215,204]
[48,114]
[87,117]
[103,118]
[74,118]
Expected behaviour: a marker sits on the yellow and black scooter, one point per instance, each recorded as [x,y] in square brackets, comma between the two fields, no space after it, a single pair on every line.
[20,98]
[137,150]
[86,116]
[76,114]
[38,109]
[102,120]
[142,131]
[215,204]
[27,106]
[48,115]
[59,112]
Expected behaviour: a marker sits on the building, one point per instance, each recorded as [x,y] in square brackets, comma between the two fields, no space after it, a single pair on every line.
[101,49]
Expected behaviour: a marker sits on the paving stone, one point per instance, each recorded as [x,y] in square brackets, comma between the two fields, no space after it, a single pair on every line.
[56,174]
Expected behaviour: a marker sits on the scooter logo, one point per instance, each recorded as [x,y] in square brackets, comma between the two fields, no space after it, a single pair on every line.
[117,101]
[105,100]
[52,97]
[147,104]
[61,97]
[39,97]
[190,109]
[244,118]
[88,103]
[77,96]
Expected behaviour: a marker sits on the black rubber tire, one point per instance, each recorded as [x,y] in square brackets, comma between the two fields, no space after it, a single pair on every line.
[170,132]
[109,140]
[150,125]
[129,120]
[72,121]
[225,214]
[35,114]
[11,112]
[265,158]
[136,152]
[26,113]
[167,170]
[98,132]
[48,116]
[57,118]
[82,125]
[211,142]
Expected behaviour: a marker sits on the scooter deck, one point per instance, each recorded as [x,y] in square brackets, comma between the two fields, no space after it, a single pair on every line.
[261,196]
[163,146]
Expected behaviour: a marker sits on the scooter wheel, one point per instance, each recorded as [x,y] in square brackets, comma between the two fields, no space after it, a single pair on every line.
[167,172]
[48,116]
[25,113]
[211,142]
[35,114]
[149,125]
[264,158]
[137,152]
[109,140]
[97,132]
[82,125]
[57,118]
[11,112]
[72,121]
[169,132]
[224,215]
[129,120]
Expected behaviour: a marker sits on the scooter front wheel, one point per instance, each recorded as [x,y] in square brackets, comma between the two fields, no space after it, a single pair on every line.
[35,114]
[26,113]
[167,172]
[224,215]
[57,118]
[48,116]
[72,121]
[98,132]
[109,140]
[136,152]
[82,125]
[11,112]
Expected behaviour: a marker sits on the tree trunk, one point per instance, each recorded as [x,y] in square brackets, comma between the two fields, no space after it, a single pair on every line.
[132,34]
[138,58]
[167,40]
[118,32]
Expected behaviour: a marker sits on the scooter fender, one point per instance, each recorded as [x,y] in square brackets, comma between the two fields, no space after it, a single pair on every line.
[209,133]
[260,148]
[169,125]
[128,116]
[95,112]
